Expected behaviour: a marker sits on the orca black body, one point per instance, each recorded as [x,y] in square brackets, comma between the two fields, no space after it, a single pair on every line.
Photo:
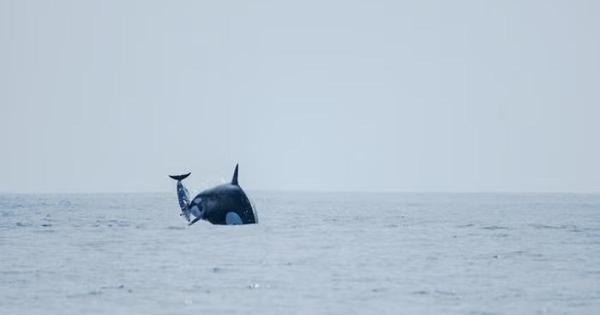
[225,204]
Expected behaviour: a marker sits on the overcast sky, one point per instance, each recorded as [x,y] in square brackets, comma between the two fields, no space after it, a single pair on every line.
[111,96]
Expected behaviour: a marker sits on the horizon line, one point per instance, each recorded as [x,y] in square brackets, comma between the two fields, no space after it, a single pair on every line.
[389,191]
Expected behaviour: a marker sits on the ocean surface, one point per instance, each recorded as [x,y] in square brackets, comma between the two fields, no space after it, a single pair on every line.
[311,253]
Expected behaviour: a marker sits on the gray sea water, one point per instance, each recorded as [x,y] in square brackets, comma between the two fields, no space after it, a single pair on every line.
[311,253]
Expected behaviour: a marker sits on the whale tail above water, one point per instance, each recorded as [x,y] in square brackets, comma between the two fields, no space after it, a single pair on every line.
[180,177]
[183,195]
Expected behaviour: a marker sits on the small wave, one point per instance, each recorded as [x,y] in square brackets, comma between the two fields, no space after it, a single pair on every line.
[254,285]
[64,203]
[377,290]
[593,272]
[569,227]
[543,226]
[519,253]
[175,228]
[89,293]
[44,231]
[439,293]
[445,293]
[495,227]
[115,287]
[113,222]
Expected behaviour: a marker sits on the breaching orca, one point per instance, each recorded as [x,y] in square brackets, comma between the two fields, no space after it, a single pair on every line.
[225,204]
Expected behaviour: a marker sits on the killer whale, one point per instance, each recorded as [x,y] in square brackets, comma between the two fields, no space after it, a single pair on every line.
[225,204]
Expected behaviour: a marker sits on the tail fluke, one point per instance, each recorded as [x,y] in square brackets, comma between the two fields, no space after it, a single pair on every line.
[180,177]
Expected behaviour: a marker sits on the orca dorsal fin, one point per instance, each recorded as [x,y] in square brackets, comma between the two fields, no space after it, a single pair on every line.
[234,180]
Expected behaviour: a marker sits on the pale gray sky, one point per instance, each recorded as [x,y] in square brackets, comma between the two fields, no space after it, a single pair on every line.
[313,95]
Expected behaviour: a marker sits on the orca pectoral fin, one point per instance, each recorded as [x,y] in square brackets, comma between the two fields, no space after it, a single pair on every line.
[194,221]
